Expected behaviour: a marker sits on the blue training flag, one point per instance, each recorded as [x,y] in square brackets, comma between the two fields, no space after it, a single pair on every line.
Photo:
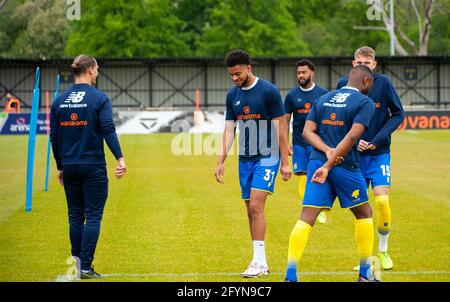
[32,141]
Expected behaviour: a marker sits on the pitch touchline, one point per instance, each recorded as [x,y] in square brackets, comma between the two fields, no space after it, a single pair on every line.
[276,274]
[63,278]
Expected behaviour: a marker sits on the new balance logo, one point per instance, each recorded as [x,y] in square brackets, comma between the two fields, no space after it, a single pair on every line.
[75,97]
[340,97]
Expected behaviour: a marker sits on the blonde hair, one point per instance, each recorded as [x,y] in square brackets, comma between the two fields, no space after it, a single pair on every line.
[81,63]
[365,51]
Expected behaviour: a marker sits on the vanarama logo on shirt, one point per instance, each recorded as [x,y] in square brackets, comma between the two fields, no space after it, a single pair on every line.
[306,108]
[247,115]
[332,121]
[74,122]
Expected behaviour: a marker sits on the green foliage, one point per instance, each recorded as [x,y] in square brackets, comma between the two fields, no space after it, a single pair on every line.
[33,29]
[128,29]
[210,28]
[264,28]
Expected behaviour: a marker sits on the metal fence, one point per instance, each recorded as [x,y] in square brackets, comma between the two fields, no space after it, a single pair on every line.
[421,82]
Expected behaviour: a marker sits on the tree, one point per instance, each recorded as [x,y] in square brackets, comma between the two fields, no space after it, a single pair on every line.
[412,24]
[264,28]
[195,14]
[145,28]
[34,29]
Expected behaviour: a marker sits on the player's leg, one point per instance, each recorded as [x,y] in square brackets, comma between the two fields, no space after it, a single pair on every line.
[257,220]
[316,198]
[351,188]
[298,239]
[95,191]
[249,216]
[75,205]
[364,239]
[246,170]
[380,176]
[300,158]
[381,196]
[262,184]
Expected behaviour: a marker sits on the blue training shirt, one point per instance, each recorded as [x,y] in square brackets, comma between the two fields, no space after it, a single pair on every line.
[81,117]
[389,113]
[254,108]
[335,113]
[299,102]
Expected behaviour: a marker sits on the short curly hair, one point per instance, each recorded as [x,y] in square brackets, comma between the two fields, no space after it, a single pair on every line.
[237,57]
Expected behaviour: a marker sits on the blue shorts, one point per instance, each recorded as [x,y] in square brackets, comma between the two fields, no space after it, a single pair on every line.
[300,158]
[348,186]
[258,175]
[376,169]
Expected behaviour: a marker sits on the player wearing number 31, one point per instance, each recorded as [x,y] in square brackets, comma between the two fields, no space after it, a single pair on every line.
[256,106]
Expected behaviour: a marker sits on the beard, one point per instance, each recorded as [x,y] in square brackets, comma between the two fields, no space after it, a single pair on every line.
[244,82]
[305,83]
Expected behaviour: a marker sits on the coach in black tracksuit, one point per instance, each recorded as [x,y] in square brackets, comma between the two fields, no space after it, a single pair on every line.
[81,117]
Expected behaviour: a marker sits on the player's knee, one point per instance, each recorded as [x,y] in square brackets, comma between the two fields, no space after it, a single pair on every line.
[255,211]
[363,211]
[382,202]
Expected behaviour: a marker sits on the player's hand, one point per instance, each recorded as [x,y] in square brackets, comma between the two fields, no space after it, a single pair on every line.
[60,177]
[286,171]
[121,168]
[219,172]
[371,146]
[362,146]
[320,175]
[290,150]
[329,154]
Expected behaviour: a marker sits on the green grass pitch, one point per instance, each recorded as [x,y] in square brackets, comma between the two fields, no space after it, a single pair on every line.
[169,220]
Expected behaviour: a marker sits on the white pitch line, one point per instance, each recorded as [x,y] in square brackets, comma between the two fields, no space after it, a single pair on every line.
[275,274]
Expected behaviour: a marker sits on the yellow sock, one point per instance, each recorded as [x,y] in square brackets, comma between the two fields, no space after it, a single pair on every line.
[383,214]
[364,242]
[301,186]
[364,237]
[297,242]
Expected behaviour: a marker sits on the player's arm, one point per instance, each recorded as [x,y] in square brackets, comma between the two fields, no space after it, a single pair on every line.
[341,151]
[287,117]
[360,124]
[311,136]
[108,131]
[227,139]
[288,109]
[282,128]
[394,121]
[54,142]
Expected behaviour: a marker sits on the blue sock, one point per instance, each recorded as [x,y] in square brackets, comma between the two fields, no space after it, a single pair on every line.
[291,273]
[364,269]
